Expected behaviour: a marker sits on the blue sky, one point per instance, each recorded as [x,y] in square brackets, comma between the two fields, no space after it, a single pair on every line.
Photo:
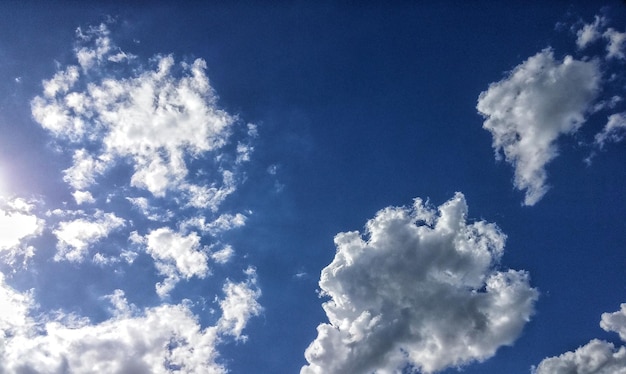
[313,188]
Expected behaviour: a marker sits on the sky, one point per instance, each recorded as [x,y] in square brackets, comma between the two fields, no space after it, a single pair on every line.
[313,187]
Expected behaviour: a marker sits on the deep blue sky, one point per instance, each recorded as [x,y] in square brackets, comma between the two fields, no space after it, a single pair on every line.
[358,107]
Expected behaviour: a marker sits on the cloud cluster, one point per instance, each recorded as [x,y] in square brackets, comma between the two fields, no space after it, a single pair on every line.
[159,339]
[142,138]
[595,357]
[615,40]
[422,289]
[156,120]
[541,99]
[161,119]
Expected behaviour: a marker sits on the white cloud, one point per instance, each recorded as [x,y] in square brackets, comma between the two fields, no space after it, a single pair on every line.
[75,237]
[82,197]
[616,45]
[160,339]
[541,99]
[156,120]
[160,122]
[176,255]
[210,197]
[243,152]
[615,322]
[126,256]
[595,357]
[17,224]
[614,130]
[422,289]
[223,255]
[84,170]
[102,49]
[223,222]
[590,32]
[14,318]
[150,212]
[239,305]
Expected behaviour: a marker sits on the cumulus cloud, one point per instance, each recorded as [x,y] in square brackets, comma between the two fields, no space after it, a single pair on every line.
[159,339]
[157,120]
[616,44]
[17,224]
[75,236]
[540,100]
[175,255]
[14,319]
[83,197]
[132,126]
[615,322]
[595,357]
[590,32]
[223,255]
[421,288]
[239,305]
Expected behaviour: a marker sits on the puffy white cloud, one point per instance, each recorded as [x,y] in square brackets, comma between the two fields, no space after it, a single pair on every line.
[82,174]
[102,49]
[614,130]
[82,197]
[239,305]
[615,322]
[17,224]
[590,32]
[223,255]
[75,237]
[176,255]
[540,100]
[14,318]
[422,288]
[616,45]
[155,119]
[160,339]
[595,357]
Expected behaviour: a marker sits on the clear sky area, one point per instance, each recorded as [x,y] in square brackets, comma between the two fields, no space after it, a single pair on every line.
[313,187]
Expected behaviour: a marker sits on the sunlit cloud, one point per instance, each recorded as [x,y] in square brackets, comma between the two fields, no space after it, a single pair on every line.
[422,288]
